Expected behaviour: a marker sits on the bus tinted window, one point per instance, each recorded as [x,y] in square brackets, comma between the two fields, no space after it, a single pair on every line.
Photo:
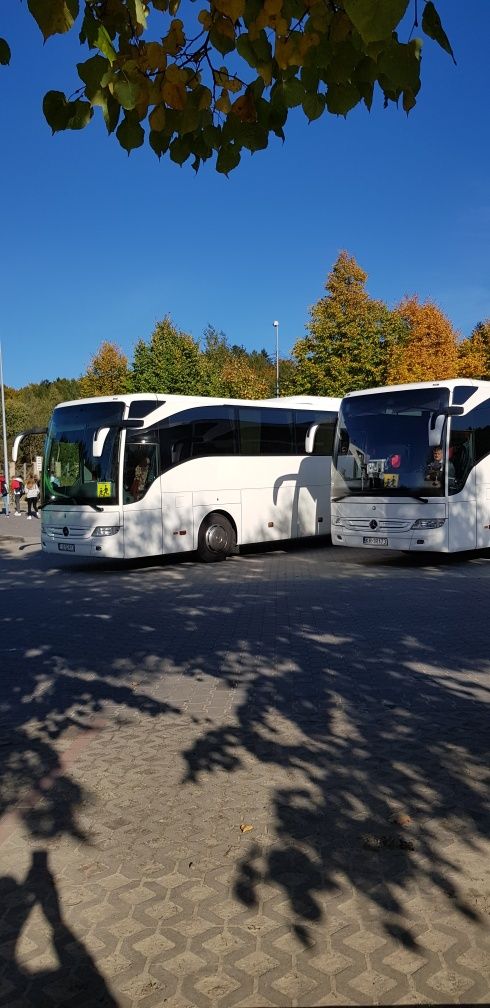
[265,432]
[196,433]
[303,420]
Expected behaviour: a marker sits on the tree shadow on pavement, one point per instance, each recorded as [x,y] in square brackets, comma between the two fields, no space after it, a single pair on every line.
[75,979]
[358,693]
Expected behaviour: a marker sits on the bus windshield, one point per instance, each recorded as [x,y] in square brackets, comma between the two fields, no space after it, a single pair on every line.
[71,473]
[382,445]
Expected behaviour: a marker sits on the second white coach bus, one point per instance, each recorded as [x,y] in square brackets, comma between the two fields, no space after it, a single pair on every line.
[144,475]
[411,467]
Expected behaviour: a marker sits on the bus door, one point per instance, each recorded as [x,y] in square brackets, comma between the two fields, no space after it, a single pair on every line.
[142,498]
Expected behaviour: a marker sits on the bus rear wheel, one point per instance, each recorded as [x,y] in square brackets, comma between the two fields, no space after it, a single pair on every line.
[216,538]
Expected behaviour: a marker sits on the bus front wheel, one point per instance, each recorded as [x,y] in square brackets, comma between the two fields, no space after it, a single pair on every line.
[216,538]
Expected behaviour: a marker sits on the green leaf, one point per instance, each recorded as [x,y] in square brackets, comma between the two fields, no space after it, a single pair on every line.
[130,134]
[160,141]
[431,25]
[92,72]
[180,150]
[400,64]
[5,53]
[341,98]
[245,50]
[80,114]
[97,36]
[375,20]
[228,158]
[126,93]
[252,136]
[294,91]
[54,17]
[138,12]
[189,120]
[313,106]
[223,43]
[111,109]
[55,108]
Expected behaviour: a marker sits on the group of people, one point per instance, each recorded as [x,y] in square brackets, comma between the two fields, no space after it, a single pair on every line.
[19,489]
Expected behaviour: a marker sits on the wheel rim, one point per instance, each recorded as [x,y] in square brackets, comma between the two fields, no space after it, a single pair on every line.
[216,539]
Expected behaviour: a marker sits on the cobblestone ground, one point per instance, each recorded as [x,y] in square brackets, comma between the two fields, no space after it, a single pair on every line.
[335,702]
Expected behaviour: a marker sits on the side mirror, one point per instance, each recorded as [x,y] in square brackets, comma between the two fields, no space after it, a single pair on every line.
[437,421]
[101,434]
[20,437]
[310,438]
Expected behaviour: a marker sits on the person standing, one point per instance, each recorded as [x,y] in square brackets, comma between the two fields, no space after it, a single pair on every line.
[32,494]
[17,488]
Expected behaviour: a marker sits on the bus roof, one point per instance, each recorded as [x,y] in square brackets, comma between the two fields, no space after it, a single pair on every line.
[449,383]
[183,401]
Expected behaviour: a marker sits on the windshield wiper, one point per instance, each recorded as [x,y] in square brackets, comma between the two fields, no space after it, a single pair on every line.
[369,493]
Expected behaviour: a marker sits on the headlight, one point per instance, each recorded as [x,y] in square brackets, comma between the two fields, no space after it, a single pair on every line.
[105,530]
[428,523]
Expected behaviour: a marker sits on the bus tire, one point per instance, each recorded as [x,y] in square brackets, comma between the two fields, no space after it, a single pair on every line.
[216,538]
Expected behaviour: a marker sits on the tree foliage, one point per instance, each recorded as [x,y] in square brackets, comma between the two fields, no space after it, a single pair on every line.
[213,80]
[232,372]
[349,336]
[171,362]
[429,351]
[107,373]
[474,353]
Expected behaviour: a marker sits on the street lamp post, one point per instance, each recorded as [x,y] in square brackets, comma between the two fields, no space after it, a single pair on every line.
[4,427]
[276,327]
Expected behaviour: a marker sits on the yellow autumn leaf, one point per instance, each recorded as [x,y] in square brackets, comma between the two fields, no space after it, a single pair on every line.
[265,71]
[223,103]
[156,59]
[157,118]
[244,108]
[174,74]
[245,827]
[174,95]
[273,6]
[233,9]
[204,18]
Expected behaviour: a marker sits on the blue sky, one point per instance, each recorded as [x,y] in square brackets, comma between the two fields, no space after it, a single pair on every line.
[98,246]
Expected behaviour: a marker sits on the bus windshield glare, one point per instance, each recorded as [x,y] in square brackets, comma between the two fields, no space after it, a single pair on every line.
[71,472]
[382,445]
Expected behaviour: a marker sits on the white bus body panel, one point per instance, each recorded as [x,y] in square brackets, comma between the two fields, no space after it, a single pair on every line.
[167,520]
[395,518]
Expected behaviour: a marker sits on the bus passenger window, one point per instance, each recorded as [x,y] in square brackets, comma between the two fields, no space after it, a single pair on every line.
[140,470]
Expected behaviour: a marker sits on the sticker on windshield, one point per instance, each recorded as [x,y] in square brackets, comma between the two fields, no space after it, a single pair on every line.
[104,489]
[391,479]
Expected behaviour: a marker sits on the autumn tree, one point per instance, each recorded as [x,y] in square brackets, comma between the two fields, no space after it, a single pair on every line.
[429,351]
[474,353]
[349,336]
[171,362]
[224,77]
[107,373]
[231,371]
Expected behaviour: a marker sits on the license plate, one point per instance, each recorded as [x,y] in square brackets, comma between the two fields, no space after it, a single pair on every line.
[66,547]
[374,541]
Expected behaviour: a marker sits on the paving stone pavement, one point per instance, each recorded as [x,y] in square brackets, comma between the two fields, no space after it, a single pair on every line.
[336,702]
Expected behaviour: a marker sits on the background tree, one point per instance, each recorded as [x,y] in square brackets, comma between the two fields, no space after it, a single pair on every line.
[349,336]
[232,372]
[224,77]
[107,373]
[171,362]
[429,351]
[474,353]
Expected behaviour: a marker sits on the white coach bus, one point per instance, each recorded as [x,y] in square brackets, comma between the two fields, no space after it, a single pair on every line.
[411,467]
[143,475]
